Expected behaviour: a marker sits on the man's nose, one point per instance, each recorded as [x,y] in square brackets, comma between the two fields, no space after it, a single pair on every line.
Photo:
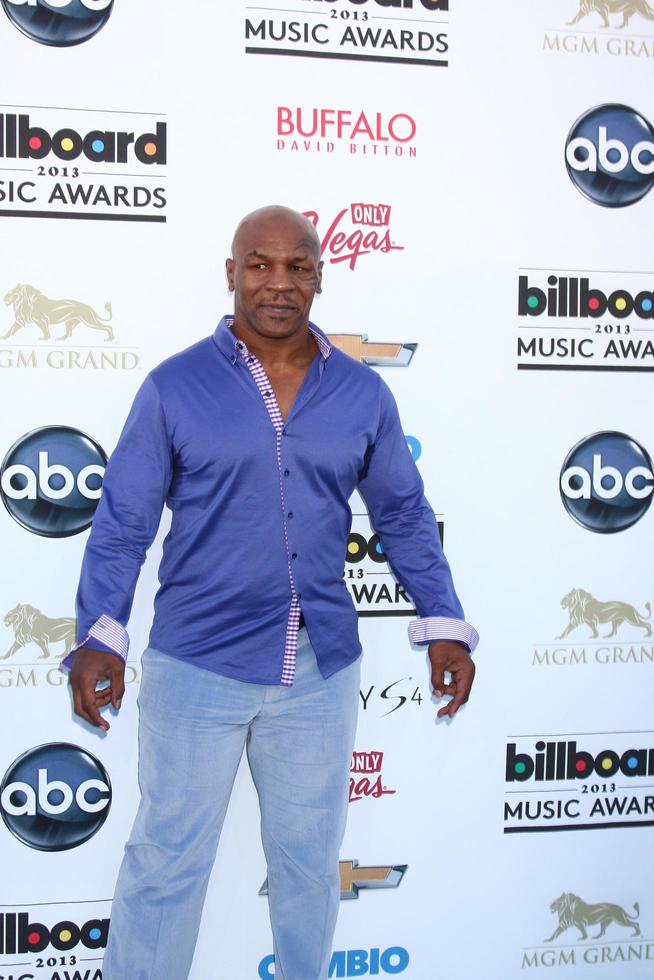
[280,279]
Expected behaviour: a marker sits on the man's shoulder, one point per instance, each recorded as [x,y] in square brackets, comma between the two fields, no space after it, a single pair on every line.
[355,370]
[184,365]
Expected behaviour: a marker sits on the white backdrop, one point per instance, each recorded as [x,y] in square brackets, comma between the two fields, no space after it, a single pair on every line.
[479,196]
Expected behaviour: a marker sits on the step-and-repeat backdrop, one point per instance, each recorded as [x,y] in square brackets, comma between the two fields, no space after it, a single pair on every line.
[479,176]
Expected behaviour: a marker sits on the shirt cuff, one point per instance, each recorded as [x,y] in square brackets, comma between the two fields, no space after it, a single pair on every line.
[430,628]
[109,635]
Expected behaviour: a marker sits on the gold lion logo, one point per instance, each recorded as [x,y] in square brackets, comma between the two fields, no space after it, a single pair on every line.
[31,306]
[572,911]
[584,608]
[605,7]
[32,626]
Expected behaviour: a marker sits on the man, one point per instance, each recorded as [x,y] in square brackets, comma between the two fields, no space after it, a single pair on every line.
[255,438]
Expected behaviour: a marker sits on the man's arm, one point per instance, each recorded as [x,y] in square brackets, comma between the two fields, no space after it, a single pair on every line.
[134,489]
[399,512]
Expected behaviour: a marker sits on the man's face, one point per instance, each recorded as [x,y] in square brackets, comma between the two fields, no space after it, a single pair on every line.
[275,273]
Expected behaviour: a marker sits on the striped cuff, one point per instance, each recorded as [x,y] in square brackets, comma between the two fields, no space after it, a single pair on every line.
[109,633]
[431,628]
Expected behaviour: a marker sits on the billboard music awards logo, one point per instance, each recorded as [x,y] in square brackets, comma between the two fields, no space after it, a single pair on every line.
[585,320]
[366,780]
[356,230]
[617,28]
[572,944]
[368,577]
[409,32]
[51,480]
[59,23]
[606,482]
[355,132]
[59,326]
[578,781]
[619,621]
[609,155]
[55,797]
[53,941]
[82,163]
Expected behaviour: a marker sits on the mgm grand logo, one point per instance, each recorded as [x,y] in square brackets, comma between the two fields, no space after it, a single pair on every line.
[604,8]
[581,35]
[586,617]
[30,625]
[54,637]
[36,316]
[574,913]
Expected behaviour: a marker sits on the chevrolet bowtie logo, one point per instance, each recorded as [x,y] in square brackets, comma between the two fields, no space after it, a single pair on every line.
[354,878]
[382,355]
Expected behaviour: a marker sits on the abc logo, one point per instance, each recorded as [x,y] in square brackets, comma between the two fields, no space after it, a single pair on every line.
[609,154]
[607,482]
[59,23]
[55,797]
[51,480]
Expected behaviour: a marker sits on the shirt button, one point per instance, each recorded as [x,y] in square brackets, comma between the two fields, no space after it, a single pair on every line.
[294,555]
[287,472]
[250,360]
[290,513]
[299,595]
[239,345]
[268,394]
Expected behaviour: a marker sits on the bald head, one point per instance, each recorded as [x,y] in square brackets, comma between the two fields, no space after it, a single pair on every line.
[272,219]
[275,272]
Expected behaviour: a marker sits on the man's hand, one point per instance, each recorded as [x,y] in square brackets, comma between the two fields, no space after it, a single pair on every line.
[453,657]
[91,667]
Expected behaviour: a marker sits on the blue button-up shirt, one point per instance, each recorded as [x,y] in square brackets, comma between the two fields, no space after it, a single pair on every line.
[200,440]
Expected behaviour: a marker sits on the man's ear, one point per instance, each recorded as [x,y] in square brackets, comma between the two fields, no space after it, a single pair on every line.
[319,277]
[229,269]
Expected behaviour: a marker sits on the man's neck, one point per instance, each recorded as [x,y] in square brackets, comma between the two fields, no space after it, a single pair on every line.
[298,349]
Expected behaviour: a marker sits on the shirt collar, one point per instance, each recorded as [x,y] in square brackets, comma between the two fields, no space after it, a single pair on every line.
[226,342]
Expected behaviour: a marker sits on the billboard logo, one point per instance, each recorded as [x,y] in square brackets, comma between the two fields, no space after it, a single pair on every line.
[578,781]
[407,32]
[51,480]
[607,482]
[55,797]
[20,935]
[609,154]
[82,163]
[59,23]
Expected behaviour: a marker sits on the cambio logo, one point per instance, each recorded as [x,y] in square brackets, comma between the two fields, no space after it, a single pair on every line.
[607,482]
[59,23]
[51,480]
[354,963]
[609,154]
[55,797]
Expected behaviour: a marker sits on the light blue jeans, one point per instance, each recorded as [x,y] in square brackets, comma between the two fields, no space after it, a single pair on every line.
[192,730]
